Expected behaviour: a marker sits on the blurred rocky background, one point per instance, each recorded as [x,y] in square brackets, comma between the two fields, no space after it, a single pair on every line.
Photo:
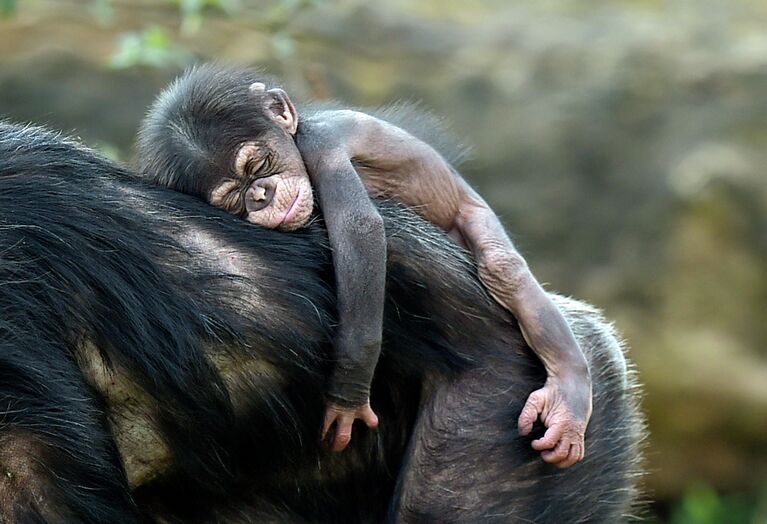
[623,142]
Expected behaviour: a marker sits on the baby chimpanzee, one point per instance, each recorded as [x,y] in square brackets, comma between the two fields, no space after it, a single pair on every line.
[223,135]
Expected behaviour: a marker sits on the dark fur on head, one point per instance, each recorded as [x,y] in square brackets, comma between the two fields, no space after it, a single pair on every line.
[205,113]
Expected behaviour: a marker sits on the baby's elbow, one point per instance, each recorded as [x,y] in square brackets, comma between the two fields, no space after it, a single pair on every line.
[505,274]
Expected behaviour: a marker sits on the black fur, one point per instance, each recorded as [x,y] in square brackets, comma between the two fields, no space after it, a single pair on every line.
[186,134]
[90,256]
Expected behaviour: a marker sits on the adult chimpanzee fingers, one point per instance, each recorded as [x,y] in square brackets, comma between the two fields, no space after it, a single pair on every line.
[343,433]
[369,417]
[529,415]
[550,439]
[558,454]
[330,417]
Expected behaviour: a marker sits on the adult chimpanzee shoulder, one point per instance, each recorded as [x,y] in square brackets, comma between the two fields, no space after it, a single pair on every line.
[218,133]
[162,360]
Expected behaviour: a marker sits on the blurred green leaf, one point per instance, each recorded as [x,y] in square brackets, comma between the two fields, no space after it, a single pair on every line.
[230,6]
[7,7]
[102,11]
[283,45]
[191,6]
[151,47]
[156,38]
[701,504]
[156,47]
[110,151]
[191,23]
[192,12]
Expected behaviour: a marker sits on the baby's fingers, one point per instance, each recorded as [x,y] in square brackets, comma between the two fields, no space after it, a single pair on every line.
[529,415]
[575,455]
[557,455]
[550,439]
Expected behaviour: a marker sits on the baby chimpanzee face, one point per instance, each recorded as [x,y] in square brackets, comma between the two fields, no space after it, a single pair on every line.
[270,186]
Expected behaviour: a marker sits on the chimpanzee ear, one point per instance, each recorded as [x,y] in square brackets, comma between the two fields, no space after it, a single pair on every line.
[277,104]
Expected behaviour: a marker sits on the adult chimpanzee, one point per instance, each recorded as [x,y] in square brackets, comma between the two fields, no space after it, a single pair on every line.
[162,360]
[220,134]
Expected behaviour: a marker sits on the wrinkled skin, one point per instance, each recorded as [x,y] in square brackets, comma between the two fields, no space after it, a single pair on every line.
[344,156]
[392,164]
[272,188]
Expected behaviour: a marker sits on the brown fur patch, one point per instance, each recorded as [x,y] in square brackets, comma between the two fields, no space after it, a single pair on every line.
[143,451]
[24,486]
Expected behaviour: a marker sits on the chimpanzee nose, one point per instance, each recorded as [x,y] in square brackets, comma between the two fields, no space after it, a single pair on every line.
[260,194]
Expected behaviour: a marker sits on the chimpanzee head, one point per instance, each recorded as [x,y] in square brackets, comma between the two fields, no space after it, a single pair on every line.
[226,136]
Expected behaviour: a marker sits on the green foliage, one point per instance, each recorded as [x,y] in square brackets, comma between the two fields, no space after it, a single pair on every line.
[283,45]
[702,505]
[150,47]
[278,18]
[156,46]
[7,7]
[191,12]
[102,11]
[110,151]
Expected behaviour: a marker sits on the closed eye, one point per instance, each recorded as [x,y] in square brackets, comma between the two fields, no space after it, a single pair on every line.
[229,196]
[260,167]
[254,165]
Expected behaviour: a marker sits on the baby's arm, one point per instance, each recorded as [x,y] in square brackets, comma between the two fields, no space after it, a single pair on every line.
[357,239]
[394,164]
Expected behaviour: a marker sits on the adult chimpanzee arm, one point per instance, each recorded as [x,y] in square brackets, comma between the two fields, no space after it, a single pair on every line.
[358,242]
[394,164]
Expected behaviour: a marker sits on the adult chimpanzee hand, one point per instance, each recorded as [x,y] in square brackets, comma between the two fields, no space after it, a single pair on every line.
[344,417]
[564,408]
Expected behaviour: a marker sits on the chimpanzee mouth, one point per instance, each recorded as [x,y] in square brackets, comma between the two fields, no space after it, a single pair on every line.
[290,214]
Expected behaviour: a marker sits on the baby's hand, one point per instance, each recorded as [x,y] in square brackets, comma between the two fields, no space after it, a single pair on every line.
[344,418]
[564,408]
